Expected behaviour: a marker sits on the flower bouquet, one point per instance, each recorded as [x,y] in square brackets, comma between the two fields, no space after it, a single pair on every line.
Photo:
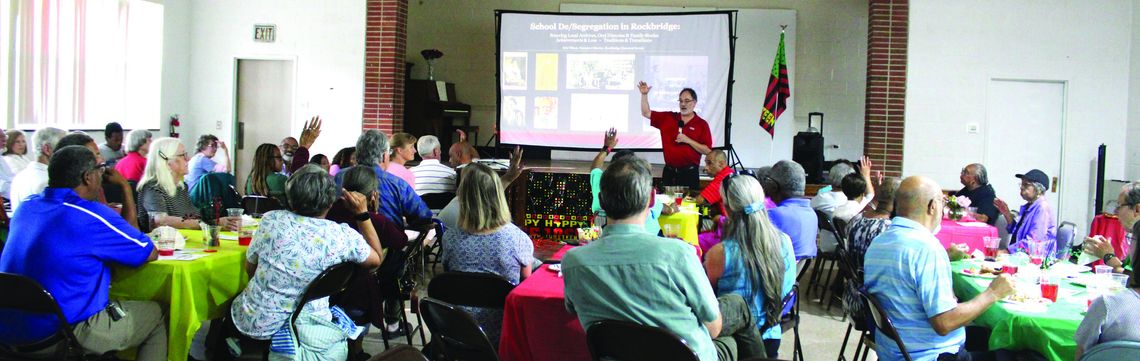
[958,206]
[174,123]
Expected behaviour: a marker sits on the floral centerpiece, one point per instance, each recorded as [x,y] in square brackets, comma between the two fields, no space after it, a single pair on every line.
[958,206]
[431,55]
[174,123]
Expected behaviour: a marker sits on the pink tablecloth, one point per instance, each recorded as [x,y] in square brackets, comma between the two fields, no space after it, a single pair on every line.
[536,325]
[969,233]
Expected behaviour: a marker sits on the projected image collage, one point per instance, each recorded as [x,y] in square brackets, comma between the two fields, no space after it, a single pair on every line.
[590,92]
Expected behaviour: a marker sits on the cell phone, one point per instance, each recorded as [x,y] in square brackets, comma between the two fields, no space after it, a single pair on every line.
[117,313]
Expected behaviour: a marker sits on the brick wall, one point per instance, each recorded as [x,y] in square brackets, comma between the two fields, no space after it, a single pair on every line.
[886,84]
[385,41]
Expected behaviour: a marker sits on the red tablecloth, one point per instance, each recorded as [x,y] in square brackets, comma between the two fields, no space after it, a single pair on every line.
[536,325]
[969,233]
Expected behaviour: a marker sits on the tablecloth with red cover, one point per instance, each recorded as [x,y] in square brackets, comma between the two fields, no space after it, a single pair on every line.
[969,233]
[536,325]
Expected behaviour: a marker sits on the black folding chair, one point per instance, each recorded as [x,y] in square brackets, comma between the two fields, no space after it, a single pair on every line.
[790,320]
[437,201]
[470,289]
[627,341]
[460,337]
[330,282]
[826,260]
[24,294]
[883,323]
[258,205]
[408,281]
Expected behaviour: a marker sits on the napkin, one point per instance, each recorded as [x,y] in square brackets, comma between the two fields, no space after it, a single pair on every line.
[1086,258]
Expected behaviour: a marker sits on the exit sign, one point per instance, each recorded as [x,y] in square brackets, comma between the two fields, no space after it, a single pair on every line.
[265,33]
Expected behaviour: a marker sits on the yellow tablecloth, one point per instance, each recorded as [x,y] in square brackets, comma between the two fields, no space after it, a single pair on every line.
[193,289]
[688,219]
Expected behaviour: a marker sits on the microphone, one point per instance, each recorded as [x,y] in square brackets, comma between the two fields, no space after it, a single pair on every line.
[680,126]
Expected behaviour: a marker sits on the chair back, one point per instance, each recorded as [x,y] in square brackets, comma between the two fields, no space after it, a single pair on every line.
[883,323]
[471,289]
[437,201]
[258,205]
[1113,351]
[400,353]
[1066,232]
[212,187]
[460,337]
[827,226]
[627,341]
[330,282]
[1003,231]
[26,295]
[790,313]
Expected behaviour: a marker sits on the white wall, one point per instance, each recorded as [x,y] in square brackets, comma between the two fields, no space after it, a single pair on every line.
[1133,151]
[957,47]
[324,38]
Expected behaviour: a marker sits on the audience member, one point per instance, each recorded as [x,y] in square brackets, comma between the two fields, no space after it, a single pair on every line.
[112,150]
[831,197]
[403,151]
[16,154]
[134,163]
[1112,317]
[264,179]
[763,174]
[485,240]
[793,214]
[976,186]
[342,160]
[1128,211]
[628,275]
[296,154]
[908,271]
[858,190]
[162,189]
[6,173]
[110,175]
[862,229]
[34,178]
[716,165]
[449,215]
[321,161]
[652,224]
[755,260]
[73,263]
[289,146]
[461,153]
[431,176]
[1035,220]
[398,201]
[203,161]
[363,180]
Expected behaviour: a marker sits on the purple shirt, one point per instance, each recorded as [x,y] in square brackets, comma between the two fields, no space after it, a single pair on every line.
[796,218]
[1035,221]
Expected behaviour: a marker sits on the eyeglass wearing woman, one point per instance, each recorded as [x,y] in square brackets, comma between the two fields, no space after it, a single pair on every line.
[161,188]
[265,179]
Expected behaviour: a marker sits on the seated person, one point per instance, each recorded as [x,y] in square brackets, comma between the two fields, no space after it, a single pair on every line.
[73,263]
[203,161]
[398,200]
[342,160]
[431,175]
[755,260]
[403,151]
[832,196]
[863,228]
[1128,211]
[34,178]
[292,247]
[161,188]
[793,214]
[110,176]
[265,179]
[652,222]
[1035,220]
[908,272]
[134,163]
[858,190]
[485,240]
[716,164]
[976,186]
[1112,317]
[296,154]
[628,275]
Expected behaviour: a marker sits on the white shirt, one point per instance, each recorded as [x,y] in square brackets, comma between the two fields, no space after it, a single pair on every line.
[433,177]
[6,175]
[18,162]
[852,207]
[31,180]
[827,202]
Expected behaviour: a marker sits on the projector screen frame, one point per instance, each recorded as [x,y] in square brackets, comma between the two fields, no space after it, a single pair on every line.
[732,23]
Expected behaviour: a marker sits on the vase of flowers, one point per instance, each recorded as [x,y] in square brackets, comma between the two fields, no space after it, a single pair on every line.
[431,55]
[174,123]
[958,207]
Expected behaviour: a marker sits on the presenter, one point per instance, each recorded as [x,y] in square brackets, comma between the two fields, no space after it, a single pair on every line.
[684,138]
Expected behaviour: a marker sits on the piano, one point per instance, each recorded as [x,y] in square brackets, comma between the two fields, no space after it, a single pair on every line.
[427,111]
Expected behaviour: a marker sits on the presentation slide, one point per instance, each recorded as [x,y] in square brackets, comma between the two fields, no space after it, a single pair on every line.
[567,78]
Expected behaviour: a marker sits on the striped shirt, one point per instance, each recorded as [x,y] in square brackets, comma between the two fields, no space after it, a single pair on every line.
[909,273]
[434,177]
[398,201]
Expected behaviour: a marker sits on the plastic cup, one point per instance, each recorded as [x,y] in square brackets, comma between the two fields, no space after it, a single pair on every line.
[1119,282]
[1102,269]
[1049,286]
[235,212]
[671,230]
[1009,269]
[165,244]
[991,244]
[210,236]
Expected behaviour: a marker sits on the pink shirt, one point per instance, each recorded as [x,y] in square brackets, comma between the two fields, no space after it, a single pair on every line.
[131,166]
[402,172]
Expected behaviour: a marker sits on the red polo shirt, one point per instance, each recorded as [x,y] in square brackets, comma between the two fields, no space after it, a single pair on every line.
[678,155]
[131,166]
[711,193]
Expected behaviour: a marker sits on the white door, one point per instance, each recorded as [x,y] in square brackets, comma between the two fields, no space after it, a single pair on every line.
[1025,122]
[264,109]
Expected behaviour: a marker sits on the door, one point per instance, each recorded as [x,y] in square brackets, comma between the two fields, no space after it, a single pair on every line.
[264,109]
[1025,120]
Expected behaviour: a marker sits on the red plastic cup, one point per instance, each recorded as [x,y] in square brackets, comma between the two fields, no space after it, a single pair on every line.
[1049,290]
[244,240]
[166,252]
[678,200]
[1009,269]
[1036,260]
[991,252]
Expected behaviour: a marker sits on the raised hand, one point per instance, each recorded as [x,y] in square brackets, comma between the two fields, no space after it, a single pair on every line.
[516,160]
[643,87]
[1002,207]
[311,131]
[611,138]
[865,166]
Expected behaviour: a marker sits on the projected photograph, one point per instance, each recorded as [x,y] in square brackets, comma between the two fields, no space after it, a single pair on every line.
[546,113]
[599,112]
[670,74]
[600,71]
[546,71]
[514,70]
[514,112]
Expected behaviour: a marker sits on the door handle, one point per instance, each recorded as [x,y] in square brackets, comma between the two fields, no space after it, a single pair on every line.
[241,135]
[1054,186]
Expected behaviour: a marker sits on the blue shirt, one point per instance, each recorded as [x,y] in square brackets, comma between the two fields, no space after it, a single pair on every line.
[199,166]
[735,279]
[72,262]
[797,219]
[398,200]
[908,271]
[1036,221]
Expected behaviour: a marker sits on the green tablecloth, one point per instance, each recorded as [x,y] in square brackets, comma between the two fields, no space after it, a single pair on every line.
[1049,333]
[193,289]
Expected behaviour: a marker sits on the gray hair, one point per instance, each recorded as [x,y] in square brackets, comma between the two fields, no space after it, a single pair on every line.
[310,191]
[980,173]
[759,242]
[47,136]
[360,179]
[136,139]
[790,177]
[625,188]
[836,174]
[426,145]
[1131,193]
[1040,189]
[371,148]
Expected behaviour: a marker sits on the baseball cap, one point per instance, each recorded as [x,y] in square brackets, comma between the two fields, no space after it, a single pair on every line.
[1037,176]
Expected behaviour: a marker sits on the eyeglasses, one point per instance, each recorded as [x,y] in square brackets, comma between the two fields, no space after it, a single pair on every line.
[685,101]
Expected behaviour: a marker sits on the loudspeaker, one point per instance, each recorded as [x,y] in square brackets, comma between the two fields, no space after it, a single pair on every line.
[807,150]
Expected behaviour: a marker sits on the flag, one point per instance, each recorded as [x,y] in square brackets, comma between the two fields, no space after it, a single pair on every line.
[776,98]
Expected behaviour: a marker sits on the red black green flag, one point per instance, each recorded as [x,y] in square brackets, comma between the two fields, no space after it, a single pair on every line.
[776,98]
